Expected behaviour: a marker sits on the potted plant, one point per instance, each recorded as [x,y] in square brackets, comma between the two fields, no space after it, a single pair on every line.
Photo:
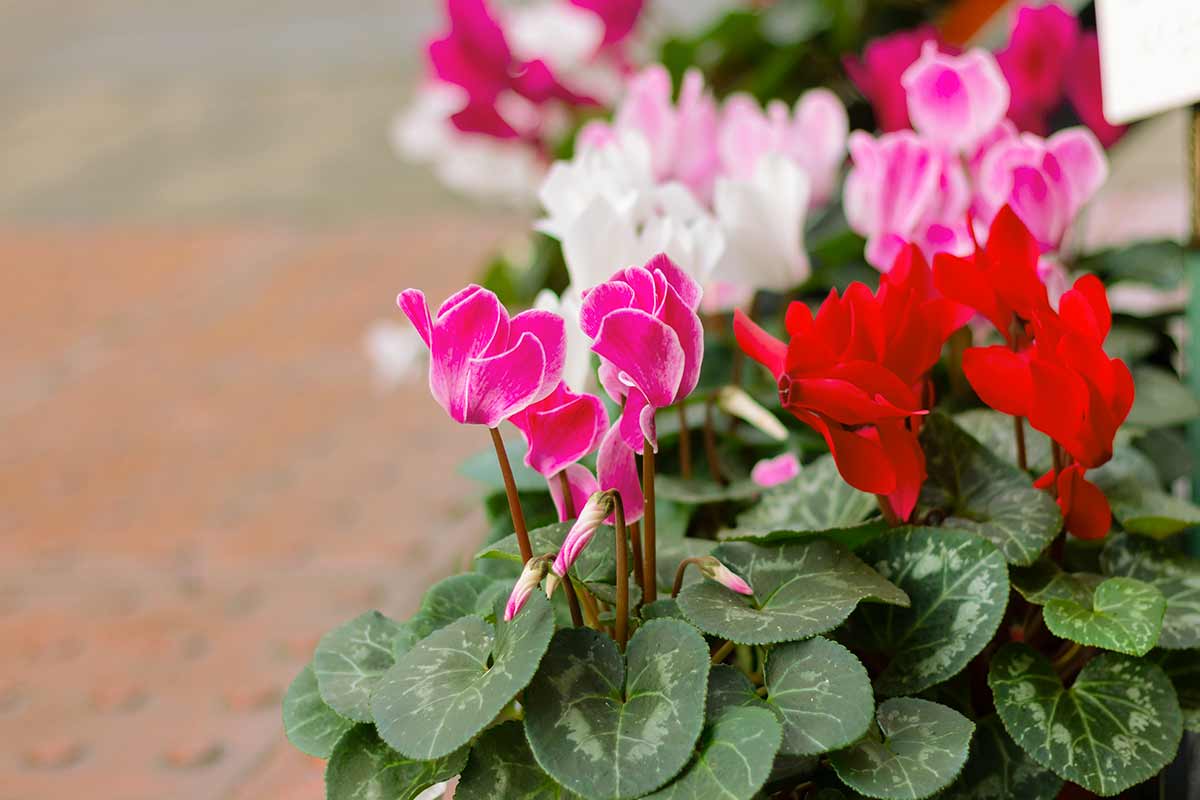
[894,535]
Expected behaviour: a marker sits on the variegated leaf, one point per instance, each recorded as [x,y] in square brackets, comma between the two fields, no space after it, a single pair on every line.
[821,693]
[820,499]
[501,767]
[733,760]
[1124,615]
[362,767]
[998,769]
[1176,575]
[349,661]
[311,725]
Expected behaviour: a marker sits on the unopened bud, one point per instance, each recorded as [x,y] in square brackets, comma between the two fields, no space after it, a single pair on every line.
[713,569]
[734,401]
[597,509]
[531,576]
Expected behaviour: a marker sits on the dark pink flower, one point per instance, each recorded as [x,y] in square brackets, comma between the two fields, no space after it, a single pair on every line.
[560,429]
[877,73]
[1036,60]
[483,366]
[773,471]
[616,466]
[619,16]
[1083,90]
[644,326]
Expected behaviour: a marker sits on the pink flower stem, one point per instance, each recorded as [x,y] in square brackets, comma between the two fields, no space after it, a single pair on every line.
[514,501]
[568,498]
[679,573]
[621,631]
[685,443]
[649,560]
[1019,433]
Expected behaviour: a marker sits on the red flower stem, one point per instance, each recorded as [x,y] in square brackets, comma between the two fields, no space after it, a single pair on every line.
[621,631]
[685,443]
[514,502]
[635,538]
[568,500]
[572,602]
[649,560]
[679,573]
[889,513]
[710,444]
[1057,454]
[1019,433]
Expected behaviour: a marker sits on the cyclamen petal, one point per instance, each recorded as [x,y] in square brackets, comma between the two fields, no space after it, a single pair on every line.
[774,471]
[955,100]
[533,573]
[877,74]
[590,518]
[714,570]
[616,469]
[560,429]
[582,485]
[501,385]
[646,349]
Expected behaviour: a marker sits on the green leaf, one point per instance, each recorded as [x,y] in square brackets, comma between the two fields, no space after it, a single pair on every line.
[310,725]
[1183,668]
[821,693]
[1124,615]
[1147,510]
[819,499]
[1130,343]
[596,564]
[484,468]
[1176,575]
[958,586]
[701,491]
[446,689]
[995,431]
[1160,399]
[980,492]
[1117,725]
[501,767]
[998,769]
[924,746]
[609,727]
[800,589]
[1043,581]
[728,687]
[663,608]
[733,759]
[854,537]
[459,596]
[349,661]
[362,767]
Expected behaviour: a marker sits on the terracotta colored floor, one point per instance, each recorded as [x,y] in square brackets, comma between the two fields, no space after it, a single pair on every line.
[198,477]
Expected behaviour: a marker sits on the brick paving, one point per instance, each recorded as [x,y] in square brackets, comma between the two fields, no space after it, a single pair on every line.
[198,477]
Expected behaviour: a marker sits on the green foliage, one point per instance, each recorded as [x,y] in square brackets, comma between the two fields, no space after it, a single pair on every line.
[1173,573]
[821,693]
[362,767]
[733,758]
[1123,614]
[350,660]
[998,769]
[1161,400]
[502,766]
[817,500]
[312,726]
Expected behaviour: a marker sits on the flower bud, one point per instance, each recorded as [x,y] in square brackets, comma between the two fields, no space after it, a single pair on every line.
[735,402]
[531,576]
[599,506]
[713,569]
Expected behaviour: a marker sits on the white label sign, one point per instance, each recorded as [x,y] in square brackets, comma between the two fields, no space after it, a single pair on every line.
[1149,56]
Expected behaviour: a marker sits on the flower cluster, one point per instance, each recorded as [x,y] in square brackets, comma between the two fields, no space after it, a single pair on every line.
[1052,370]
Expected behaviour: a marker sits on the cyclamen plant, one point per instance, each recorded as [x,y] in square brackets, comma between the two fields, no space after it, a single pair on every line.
[928,549]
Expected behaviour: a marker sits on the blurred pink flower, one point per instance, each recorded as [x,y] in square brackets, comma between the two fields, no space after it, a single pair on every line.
[774,471]
[483,366]
[877,73]
[560,429]
[619,16]
[1046,181]
[1037,58]
[955,101]
[1083,90]
[645,328]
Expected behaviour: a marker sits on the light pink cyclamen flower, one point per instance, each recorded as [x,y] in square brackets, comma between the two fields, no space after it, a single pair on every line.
[877,73]
[955,101]
[591,517]
[560,429]
[774,471]
[644,326]
[714,570]
[533,573]
[812,135]
[483,366]
[1046,181]
[904,189]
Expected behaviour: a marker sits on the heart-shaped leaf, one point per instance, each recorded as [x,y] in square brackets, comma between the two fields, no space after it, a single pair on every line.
[1124,615]
[312,726]
[1183,668]
[1043,581]
[958,585]
[1148,510]
[702,491]
[1116,726]
[998,769]
[922,749]
[821,693]
[608,727]
[818,500]
[853,537]
[446,689]
[728,687]
[1175,574]
[800,589]
[459,596]
[663,608]
[362,767]
[997,433]
[596,564]
[350,660]
[980,492]
[1161,400]
[733,759]
[501,767]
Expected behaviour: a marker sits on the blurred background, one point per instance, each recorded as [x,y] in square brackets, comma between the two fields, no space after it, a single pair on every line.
[201,219]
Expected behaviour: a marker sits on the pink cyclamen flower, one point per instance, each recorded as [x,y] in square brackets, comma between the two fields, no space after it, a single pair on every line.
[1084,90]
[955,101]
[1046,181]
[616,470]
[713,569]
[904,189]
[812,135]
[590,518]
[774,471]
[483,366]
[535,569]
[619,17]
[560,429]
[877,73]
[644,326]
[1036,60]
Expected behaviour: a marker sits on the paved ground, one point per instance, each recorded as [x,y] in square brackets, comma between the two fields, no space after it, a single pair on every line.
[199,219]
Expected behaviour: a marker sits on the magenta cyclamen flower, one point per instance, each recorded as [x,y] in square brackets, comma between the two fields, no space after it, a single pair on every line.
[560,429]
[877,73]
[644,326]
[483,366]
[955,101]
[616,470]
[1036,60]
[774,471]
